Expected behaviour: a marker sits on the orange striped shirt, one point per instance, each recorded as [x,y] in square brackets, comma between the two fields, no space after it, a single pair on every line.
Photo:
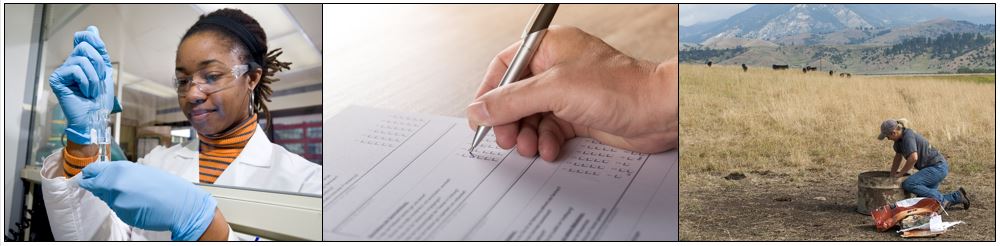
[72,165]
[215,153]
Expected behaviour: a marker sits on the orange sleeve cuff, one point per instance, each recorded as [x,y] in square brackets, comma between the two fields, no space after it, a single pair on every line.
[72,165]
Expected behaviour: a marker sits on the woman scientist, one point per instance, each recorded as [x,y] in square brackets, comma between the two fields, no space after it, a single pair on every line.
[223,76]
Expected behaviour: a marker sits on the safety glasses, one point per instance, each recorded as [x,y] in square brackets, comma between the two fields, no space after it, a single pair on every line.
[209,81]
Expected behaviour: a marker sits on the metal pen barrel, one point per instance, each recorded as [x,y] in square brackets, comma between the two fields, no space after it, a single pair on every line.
[532,38]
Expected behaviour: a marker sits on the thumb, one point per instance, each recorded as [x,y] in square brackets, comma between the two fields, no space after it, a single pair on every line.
[93,29]
[95,169]
[109,84]
[512,102]
[91,36]
[91,173]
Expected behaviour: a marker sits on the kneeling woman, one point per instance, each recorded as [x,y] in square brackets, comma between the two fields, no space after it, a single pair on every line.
[223,75]
[917,152]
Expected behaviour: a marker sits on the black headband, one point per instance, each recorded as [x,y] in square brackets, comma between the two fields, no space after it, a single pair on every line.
[240,32]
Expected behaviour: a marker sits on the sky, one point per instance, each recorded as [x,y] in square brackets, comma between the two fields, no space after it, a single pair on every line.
[691,14]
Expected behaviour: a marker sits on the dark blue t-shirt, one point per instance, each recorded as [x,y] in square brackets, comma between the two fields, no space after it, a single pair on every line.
[911,142]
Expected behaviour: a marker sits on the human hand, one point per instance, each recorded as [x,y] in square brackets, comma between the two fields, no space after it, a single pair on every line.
[579,86]
[80,81]
[151,199]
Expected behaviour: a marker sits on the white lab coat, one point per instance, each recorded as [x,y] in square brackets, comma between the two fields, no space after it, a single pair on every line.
[77,215]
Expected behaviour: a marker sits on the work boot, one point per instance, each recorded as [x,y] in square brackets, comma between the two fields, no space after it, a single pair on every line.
[964,198]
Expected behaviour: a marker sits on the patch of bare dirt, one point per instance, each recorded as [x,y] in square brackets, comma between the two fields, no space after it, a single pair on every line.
[778,206]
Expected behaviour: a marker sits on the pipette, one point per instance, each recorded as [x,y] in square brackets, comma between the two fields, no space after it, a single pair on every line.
[100,131]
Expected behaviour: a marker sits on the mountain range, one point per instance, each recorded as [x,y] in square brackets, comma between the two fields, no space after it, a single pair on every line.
[829,24]
[861,37]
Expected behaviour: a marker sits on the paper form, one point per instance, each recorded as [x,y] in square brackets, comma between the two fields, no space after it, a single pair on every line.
[403,176]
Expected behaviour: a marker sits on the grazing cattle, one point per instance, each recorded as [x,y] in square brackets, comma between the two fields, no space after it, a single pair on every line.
[779,67]
[808,68]
[845,75]
[831,72]
[709,63]
[744,65]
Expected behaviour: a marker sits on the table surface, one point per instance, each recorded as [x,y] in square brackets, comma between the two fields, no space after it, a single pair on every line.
[431,58]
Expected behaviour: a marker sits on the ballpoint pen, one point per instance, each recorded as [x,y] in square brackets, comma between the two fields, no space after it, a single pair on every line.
[531,39]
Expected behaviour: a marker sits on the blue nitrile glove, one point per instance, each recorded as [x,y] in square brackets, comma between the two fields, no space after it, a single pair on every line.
[151,199]
[79,81]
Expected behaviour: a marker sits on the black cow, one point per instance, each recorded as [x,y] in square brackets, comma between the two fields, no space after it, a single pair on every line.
[831,72]
[709,63]
[744,65]
[779,67]
[845,75]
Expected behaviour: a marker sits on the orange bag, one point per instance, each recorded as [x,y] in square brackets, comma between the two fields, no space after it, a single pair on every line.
[889,215]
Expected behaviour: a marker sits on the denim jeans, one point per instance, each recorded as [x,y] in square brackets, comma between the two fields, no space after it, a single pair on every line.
[925,183]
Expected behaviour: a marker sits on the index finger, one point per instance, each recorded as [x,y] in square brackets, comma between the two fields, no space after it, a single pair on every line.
[497,68]
[547,54]
[492,78]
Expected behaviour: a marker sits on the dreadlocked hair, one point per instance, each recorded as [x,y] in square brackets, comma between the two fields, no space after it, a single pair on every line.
[271,65]
[263,91]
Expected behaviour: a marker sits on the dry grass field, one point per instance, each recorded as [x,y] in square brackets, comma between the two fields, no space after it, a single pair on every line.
[800,140]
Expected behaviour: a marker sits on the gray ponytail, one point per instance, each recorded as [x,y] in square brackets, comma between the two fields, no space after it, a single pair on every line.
[902,123]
